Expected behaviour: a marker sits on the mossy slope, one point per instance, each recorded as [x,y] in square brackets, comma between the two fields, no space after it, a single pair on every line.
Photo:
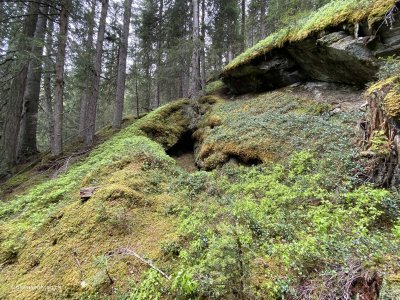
[270,127]
[50,238]
[302,225]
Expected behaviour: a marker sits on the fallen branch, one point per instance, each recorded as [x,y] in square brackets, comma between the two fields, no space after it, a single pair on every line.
[125,251]
[78,263]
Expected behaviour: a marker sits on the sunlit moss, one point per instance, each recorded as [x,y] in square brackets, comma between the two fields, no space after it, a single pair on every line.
[390,88]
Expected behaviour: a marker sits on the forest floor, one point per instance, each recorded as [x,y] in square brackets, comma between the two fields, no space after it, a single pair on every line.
[278,209]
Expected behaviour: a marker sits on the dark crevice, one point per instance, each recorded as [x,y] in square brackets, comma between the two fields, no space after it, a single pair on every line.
[183,152]
[252,161]
[185,145]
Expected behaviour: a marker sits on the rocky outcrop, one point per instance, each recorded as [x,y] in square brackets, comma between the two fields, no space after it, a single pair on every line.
[347,54]
[336,57]
[275,71]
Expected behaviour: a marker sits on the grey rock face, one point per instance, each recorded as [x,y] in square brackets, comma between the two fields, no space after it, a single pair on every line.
[349,55]
[277,71]
[336,57]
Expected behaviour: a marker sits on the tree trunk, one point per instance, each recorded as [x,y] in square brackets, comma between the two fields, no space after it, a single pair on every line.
[47,85]
[92,101]
[14,105]
[89,71]
[194,80]
[159,50]
[121,77]
[28,130]
[263,29]
[137,92]
[243,25]
[203,47]
[56,148]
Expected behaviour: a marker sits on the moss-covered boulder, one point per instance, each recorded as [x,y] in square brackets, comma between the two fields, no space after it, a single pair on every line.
[341,42]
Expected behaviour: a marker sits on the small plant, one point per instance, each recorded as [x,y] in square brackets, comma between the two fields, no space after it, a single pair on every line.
[380,144]
[390,67]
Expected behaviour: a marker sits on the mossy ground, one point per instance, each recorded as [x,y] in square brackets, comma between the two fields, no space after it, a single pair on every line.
[334,13]
[300,223]
[269,128]
[46,230]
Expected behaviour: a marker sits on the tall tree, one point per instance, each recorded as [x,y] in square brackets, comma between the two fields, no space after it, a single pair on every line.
[243,26]
[203,46]
[159,49]
[91,110]
[57,143]
[263,25]
[28,130]
[17,88]
[88,70]
[194,79]
[47,79]
[121,76]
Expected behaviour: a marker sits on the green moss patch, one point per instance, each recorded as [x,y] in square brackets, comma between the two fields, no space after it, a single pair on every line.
[269,127]
[50,238]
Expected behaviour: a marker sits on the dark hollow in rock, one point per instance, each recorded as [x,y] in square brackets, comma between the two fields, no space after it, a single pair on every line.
[253,161]
[184,145]
[183,152]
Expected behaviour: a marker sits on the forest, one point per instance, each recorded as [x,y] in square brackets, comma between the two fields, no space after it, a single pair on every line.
[200,149]
[69,68]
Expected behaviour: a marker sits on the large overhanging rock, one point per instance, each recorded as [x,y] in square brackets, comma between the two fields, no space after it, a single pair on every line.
[346,54]
[336,57]
[278,70]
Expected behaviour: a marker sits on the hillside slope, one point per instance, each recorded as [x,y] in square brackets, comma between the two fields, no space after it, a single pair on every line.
[284,194]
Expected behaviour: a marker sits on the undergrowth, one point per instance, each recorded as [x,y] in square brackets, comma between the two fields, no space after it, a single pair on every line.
[277,232]
[43,227]
[271,126]
[298,224]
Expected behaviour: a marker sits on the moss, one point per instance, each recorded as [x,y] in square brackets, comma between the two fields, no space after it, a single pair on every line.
[215,160]
[215,87]
[332,14]
[380,144]
[392,102]
[390,88]
[118,192]
[167,124]
[213,121]
[265,128]
[42,228]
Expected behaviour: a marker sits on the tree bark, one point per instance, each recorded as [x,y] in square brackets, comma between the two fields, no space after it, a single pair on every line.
[203,47]
[159,50]
[9,142]
[243,25]
[56,148]
[194,80]
[121,76]
[263,29]
[90,113]
[28,130]
[89,71]
[47,85]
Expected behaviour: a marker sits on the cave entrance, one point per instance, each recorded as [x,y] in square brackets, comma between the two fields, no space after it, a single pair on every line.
[183,152]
